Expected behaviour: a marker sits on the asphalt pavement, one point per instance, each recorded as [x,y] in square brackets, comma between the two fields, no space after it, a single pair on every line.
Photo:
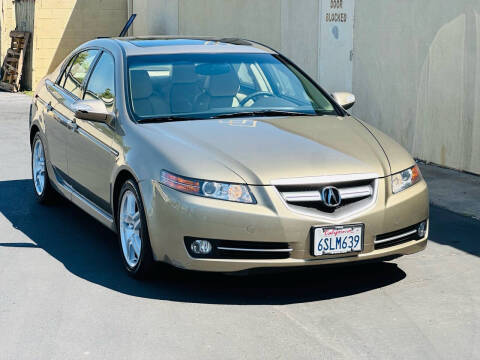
[64,295]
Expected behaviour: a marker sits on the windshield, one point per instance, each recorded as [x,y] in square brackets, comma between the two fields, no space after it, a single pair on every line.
[218,85]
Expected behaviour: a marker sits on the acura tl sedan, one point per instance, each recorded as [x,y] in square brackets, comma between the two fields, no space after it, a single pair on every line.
[220,155]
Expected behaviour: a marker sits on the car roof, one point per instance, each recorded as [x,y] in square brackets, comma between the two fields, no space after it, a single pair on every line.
[150,45]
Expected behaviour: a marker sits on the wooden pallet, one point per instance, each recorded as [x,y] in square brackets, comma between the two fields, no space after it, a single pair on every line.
[13,63]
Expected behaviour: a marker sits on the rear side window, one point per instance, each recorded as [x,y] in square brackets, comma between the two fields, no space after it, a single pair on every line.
[101,85]
[61,82]
[78,71]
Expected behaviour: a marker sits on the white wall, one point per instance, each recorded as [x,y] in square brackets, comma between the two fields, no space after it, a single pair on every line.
[416,64]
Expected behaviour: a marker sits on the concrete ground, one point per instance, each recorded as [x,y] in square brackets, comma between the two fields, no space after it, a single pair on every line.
[63,294]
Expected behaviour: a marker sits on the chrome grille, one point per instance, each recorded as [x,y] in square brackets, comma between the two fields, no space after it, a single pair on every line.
[305,195]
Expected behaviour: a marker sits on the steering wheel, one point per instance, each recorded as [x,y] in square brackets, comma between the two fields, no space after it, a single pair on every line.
[254,95]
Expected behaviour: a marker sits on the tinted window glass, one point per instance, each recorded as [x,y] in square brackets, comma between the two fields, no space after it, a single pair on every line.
[78,71]
[244,75]
[61,82]
[102,84]
[208,85]
[287,83]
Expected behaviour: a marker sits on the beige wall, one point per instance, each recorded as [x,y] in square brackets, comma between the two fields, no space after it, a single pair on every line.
[62,25]
[7,24]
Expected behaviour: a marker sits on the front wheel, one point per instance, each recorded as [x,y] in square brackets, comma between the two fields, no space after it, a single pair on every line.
[133,233]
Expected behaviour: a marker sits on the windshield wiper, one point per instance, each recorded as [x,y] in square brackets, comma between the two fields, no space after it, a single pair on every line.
[261,113]
[258,113]
[167,119]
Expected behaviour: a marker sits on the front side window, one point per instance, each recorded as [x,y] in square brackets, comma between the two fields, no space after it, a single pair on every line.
[217,85]
[101,84]
[78,71]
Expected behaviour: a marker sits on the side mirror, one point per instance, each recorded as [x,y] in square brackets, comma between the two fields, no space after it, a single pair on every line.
[344,99]
[92,110]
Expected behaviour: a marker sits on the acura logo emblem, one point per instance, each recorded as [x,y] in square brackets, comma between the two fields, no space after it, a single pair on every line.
[331,196]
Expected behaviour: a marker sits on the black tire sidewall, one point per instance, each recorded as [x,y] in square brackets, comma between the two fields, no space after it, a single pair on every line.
[145,261]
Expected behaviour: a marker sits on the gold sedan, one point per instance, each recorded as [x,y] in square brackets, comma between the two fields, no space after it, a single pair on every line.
[220,155]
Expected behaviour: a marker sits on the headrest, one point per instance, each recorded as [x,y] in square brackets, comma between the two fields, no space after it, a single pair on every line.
[223,84]
[184,74]
[140,84]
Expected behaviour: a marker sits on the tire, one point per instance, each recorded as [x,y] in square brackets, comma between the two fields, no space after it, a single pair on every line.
[42,187]
[132,232]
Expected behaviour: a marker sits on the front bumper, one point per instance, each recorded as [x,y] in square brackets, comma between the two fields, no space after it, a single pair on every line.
[172,216]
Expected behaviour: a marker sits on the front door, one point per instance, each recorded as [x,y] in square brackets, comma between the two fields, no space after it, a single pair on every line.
[335,64]
[90,157]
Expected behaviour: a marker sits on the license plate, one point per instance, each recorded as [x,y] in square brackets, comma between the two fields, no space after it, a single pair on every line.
[337,239]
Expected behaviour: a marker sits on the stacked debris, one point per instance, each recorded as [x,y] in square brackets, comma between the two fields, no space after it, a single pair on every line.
[13,62]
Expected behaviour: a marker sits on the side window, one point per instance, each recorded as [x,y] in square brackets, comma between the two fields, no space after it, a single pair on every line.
[61,82]
[102,84]
[78,71]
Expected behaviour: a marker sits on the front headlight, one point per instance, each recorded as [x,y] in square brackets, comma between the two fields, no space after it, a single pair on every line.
[406,178]
[206,188]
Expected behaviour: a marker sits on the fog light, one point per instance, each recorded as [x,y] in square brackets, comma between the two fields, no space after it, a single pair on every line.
[422,228]
[201,247]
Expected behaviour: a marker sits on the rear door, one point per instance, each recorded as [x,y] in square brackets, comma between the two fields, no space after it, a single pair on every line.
[55,125]
[90,157]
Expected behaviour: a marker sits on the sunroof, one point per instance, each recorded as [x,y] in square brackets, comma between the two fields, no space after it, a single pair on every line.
[171,42]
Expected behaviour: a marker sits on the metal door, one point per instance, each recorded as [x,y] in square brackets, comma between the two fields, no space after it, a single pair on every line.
[335,64]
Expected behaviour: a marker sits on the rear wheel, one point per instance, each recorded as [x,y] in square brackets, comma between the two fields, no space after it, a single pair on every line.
[41,183]
[133,233]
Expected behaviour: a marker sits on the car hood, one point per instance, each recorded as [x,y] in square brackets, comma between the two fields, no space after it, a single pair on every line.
[264,149]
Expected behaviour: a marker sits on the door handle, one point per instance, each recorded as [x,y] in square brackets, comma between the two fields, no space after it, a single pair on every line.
[72,125]
[49,107]
[69,124]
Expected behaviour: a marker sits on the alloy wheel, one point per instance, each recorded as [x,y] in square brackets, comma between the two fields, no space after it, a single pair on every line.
[39,172]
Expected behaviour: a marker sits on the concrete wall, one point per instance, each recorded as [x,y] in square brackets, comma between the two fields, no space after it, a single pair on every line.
[154,17]
[272,22]
[417,76]
[416,70]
